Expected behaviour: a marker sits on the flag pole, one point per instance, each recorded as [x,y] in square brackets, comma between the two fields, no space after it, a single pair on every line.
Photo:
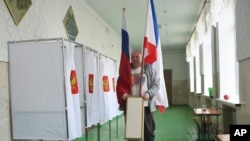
[142,66]
[142,70]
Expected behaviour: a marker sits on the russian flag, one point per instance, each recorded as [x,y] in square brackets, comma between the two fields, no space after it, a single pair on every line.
[124,82]
[153,53]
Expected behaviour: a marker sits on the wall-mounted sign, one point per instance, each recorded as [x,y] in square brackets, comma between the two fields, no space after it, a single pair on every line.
[18,9]
[70,24]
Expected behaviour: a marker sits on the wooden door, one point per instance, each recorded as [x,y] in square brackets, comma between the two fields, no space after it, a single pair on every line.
[168,83]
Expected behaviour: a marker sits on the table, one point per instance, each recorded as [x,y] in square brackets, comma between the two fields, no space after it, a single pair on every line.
[202,116]
[223,137]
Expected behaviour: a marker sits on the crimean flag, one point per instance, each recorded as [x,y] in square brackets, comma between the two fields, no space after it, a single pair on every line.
[124,80]
[153,54]
[105,83]
[73,82]
[91,83]
[151,34]
[161,98]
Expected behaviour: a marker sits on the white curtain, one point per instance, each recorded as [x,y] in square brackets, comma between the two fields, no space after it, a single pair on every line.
[200,28]
[111,97]
[193,45]
[108,100]
[91,86]
[188,53]
[103,74]
[100,78]
[216,9]
[73,100]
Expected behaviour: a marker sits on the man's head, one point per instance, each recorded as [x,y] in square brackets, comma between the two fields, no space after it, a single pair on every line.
[136,59]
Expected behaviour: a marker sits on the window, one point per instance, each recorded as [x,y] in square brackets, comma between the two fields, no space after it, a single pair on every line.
[227,61]
[206,65]
[197,72]
[191,74]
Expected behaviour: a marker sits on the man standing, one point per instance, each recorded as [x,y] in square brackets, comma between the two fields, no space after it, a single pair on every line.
[149,82]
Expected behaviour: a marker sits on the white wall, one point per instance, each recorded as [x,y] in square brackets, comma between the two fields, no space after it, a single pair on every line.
[4,103]
[177,62]
[243,55]
[44,20]
[243,29]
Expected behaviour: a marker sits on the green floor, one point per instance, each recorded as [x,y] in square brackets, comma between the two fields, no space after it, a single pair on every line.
[175,124]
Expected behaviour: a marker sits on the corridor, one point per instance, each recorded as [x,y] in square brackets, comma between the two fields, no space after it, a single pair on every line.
[175,124]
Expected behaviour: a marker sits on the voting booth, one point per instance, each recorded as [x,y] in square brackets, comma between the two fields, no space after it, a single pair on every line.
[47,100]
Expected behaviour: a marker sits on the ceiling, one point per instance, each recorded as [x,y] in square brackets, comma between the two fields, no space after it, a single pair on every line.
[176,19]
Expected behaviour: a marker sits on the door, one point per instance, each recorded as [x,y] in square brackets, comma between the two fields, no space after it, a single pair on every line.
[168,82]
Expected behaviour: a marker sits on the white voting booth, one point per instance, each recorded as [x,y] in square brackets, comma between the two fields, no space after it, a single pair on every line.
[42,105]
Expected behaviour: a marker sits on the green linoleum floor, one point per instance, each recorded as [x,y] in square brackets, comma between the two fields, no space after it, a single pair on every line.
[175,124]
